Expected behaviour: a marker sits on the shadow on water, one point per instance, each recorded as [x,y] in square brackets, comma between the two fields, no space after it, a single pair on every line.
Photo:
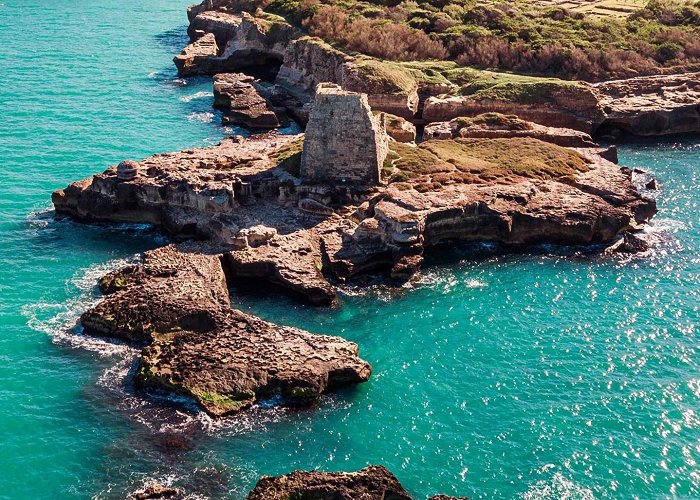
[173,40]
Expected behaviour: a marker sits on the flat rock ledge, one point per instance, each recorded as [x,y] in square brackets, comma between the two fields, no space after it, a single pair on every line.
[499,126]
[176,302]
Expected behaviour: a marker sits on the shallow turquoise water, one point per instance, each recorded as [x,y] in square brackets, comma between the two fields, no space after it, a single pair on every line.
[496,376]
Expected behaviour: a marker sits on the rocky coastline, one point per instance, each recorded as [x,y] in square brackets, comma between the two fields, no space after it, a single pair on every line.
[392,163]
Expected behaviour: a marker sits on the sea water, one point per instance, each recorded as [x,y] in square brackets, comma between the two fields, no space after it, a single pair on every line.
[553,374]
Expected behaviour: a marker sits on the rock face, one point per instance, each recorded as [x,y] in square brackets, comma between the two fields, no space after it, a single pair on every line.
[371,483]
[195,59]
[574,107]
[344,141]
[654,105]
[495,126]
[241,102]
[177,303]
[173,289]
[399,129]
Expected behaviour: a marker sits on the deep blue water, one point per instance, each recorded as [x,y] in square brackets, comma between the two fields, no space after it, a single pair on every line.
[539,376]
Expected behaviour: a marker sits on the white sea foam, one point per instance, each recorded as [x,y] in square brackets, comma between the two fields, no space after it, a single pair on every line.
[201,116]
[198,95]
[558,488]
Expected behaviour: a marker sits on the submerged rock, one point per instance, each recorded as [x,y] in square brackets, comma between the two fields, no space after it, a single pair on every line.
[371,483]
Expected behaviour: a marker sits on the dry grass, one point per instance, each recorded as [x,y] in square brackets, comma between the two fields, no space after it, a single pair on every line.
[438,163]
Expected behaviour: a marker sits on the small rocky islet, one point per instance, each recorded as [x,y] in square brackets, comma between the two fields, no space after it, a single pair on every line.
[394,160]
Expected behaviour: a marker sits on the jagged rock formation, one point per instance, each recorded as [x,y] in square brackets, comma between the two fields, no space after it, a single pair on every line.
[374,482]
[344,141]
[653,105]
[399,129]
[195,59]
[177,303]
[154,490]
[241,102]
[371,483]
[173,289]
[495,126]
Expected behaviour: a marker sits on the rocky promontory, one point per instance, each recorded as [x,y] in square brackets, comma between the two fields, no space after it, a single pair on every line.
[362,204]
[177,304]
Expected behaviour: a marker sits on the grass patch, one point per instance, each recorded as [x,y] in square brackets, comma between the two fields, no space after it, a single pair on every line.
[223,402]
[493,120]
[289,156]
[438,163]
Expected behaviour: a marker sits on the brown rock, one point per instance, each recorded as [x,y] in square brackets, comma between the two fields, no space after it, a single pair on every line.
[195,58]
[241,102]
[652,105]
[399,129]
[244,359]
[498,126]
[291,261]
[177,302]
[175,288]
[371,483]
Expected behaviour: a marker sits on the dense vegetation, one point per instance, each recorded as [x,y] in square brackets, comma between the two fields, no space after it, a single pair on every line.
[518,35]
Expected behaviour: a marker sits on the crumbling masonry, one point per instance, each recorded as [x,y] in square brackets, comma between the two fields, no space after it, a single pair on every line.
[344,141]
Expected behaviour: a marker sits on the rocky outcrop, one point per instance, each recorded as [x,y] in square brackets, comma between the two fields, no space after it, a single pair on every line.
[399,129]
[371,483]
[196,58]
[175,288]
[247,196]
[244,41]
[177,303]
[244,359]
[241,102]
[189,193]
[497,126]
[573,106]
[344,141]
[653,105]
[290,261]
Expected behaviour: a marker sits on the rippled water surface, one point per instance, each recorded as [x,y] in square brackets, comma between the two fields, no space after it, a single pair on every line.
[537,376]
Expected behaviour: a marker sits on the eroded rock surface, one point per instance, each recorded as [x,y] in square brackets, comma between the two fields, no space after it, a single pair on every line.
[177,303]
[653,105]
[244,359]
[498,126]
[241,102]
[371,483]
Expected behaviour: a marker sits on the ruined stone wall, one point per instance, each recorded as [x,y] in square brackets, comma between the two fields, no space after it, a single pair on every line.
[344,142]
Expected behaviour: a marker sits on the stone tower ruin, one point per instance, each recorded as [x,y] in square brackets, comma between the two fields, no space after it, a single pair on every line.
[344,142]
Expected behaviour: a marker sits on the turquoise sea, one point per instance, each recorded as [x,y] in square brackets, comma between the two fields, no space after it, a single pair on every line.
[558,374]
